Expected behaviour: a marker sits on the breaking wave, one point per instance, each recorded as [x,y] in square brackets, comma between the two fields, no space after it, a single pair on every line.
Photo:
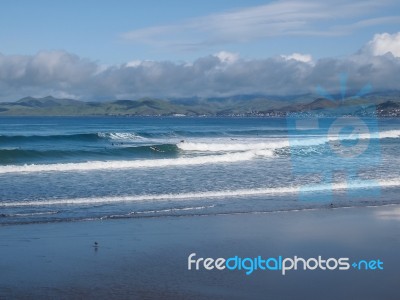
[364,184]
[131,164]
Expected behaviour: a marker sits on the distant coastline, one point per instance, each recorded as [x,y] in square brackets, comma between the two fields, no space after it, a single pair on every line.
[377,105]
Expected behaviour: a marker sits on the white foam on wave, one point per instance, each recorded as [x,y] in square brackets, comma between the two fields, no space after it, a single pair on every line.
[247,146]
[365,184]
[119,136]
[273,144]
[132,164]
[160,211]
[389,134]
[34,214]
[217,147]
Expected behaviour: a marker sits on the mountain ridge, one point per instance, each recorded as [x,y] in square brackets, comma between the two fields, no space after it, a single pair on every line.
[257,105]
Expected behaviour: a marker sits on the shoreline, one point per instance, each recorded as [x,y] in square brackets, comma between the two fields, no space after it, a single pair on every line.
[116,218]
[147,257]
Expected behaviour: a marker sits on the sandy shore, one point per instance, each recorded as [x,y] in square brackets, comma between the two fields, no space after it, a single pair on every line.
[147,258]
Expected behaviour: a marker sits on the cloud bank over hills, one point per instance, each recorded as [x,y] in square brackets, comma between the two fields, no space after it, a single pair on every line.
[67,75]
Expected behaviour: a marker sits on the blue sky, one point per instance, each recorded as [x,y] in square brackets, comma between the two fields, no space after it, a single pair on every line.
[95,29]
[129,49]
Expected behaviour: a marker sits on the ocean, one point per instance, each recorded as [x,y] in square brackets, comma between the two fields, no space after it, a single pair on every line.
[63,169]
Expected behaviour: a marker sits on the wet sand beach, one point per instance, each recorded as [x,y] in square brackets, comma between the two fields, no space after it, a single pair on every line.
[147,258]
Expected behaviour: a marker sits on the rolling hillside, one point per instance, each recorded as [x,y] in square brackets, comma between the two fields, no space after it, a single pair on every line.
[382,105]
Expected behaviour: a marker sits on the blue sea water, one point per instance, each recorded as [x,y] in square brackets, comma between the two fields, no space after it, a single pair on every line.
[64,169]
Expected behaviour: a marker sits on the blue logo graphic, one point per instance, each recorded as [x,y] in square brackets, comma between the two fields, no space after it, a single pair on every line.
[344,133]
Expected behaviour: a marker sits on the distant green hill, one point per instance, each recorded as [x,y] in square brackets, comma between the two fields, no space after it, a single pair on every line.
[45,102]
[386,105]
[50,106]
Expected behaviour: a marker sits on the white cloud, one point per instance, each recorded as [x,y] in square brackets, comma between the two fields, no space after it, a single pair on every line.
[384,43]
[307,58]
[67,75]
[277,18]
[227,57]
[134,63]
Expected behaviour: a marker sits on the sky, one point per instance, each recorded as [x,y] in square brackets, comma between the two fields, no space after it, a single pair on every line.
[95,50]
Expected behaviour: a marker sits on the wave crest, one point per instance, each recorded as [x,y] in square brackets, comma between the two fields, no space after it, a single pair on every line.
[132,164]
[365,184]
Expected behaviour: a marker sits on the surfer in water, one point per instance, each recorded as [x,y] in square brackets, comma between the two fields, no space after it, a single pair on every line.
[154,148]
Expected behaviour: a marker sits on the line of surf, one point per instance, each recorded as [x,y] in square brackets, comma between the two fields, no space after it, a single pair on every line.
[362,184]
[291,141]
[132,164]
